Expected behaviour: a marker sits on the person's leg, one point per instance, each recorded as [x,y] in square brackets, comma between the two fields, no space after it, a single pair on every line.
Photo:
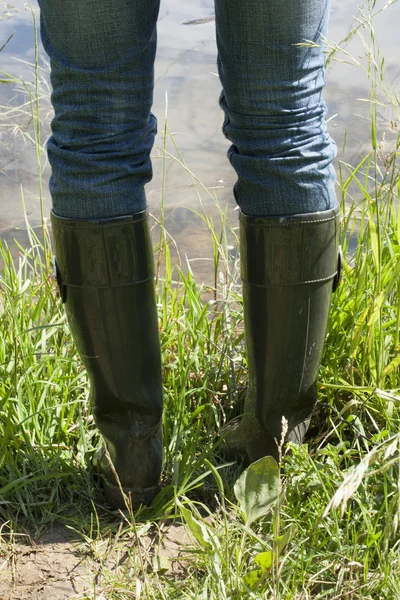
[271,64]
[102,56]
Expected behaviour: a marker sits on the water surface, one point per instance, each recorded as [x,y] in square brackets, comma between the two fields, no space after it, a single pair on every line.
[186,76]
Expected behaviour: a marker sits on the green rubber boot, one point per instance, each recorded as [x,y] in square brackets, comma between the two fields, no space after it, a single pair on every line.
[106,278]
[289,268]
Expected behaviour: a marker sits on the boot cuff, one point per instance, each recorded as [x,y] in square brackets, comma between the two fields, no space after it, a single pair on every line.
[104,252]
[295,250]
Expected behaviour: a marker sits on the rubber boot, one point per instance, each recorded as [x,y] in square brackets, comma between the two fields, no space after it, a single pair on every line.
[106,278]
[289,268]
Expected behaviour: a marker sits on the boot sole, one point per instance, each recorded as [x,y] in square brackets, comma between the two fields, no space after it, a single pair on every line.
[138,496]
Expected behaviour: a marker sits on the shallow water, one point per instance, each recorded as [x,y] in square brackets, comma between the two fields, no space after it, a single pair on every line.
[186,75]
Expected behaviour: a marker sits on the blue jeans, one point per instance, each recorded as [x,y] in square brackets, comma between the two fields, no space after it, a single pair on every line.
[102,57]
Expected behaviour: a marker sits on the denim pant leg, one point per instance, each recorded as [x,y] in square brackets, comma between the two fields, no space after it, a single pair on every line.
[102,73]
[271,65]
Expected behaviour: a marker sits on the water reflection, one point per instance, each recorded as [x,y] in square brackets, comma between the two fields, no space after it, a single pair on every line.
[186,76]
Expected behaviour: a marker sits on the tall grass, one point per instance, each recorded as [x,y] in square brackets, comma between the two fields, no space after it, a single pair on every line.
[333,533]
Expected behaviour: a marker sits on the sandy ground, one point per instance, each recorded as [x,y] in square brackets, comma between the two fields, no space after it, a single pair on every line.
[59,566]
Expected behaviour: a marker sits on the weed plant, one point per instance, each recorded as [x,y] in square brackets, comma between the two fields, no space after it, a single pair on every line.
[329,524]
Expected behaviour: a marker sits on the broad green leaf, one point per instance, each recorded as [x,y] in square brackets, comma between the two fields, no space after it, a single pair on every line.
[254,578]
[258,487]
[264,559]
[198,529]
[161,564]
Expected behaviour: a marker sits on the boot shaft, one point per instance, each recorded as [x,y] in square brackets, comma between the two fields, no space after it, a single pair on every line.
[289,267]
[106,279]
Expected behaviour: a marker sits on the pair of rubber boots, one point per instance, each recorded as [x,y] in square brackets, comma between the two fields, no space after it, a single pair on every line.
[289,268]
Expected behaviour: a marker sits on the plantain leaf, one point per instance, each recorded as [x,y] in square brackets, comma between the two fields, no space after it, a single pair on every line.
[258,487]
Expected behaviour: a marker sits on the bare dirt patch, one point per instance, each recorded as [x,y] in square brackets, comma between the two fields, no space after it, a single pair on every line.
[58,566]
[48,568]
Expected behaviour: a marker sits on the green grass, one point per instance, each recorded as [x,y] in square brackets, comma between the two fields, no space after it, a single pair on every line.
[333,531]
